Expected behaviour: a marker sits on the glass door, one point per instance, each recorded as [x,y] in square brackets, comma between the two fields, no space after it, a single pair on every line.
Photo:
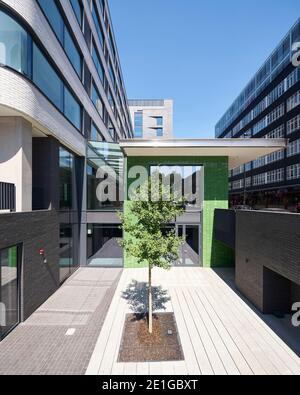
[9,289]
[191,249]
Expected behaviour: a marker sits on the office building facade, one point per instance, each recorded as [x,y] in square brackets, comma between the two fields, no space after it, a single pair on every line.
[269,107]
[63,108]
[152,119]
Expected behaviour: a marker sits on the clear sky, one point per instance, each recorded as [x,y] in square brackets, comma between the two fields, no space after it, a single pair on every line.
[200,53]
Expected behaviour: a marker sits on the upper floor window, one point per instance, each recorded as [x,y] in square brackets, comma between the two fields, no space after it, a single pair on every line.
[159,132]
[14,45]
[138,124]
[98,64]
[159,121]
[19,51]
[97,101]
[77,7]
[97,23]
[62,32]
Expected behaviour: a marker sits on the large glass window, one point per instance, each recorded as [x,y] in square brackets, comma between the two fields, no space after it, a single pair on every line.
[46,78]
[19,51]
[9,290]
[98,64]
[97,23]
[103,245]
[72,109]
[14,45]
[54,17]
[66,163]
[62,32]
[108,157]
[72,52]
[184,181]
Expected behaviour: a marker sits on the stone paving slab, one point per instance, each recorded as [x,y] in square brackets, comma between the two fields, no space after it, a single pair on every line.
[40,345]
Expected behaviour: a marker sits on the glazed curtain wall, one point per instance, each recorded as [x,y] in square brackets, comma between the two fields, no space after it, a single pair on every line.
[19,52]
[215,254]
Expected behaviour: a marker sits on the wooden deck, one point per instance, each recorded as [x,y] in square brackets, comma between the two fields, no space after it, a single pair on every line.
[220,333]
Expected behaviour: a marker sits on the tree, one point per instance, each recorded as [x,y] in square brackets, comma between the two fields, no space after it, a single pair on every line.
[147,238]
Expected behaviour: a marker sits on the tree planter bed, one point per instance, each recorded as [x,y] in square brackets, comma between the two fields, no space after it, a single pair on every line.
[138,345]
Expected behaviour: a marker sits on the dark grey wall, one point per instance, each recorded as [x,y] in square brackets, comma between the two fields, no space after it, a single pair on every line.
[34,230]
[224,227]
[45,173]
[268,258]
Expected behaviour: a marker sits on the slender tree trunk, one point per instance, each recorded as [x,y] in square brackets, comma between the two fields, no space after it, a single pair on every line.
[150,306]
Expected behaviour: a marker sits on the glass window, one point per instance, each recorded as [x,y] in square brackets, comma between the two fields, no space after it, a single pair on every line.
[159,121]
[97,23]
[66,255]
[159,132]
[46,78]
[103,245]
[98,64]
[72,52]
[76,5]
[9,290]
[72,109]
[95,134]
[138,124]
[104,154]
[185,181]
[66,161]
[54,17]
[14,45]
[97,101]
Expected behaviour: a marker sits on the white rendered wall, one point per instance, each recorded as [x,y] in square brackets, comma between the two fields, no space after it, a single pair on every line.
[16,159]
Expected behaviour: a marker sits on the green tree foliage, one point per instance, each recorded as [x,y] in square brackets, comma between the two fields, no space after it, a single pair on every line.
[147,238]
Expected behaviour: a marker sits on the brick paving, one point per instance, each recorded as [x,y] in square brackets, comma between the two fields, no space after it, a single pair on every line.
[40,345]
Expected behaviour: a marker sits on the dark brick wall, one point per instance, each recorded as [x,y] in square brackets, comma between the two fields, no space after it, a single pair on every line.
[268,258]
[34,230]
[224,227]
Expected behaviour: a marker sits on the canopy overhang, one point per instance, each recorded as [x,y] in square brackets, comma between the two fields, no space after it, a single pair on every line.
[238,151]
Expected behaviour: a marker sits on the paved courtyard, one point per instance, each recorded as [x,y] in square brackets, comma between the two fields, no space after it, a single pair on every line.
[220,333]
[60,336]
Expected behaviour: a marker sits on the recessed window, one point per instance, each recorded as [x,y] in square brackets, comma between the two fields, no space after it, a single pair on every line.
[159,121]
[138,124]
[159,132]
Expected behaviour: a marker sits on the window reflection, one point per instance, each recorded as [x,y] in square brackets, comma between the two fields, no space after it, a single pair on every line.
[100,155]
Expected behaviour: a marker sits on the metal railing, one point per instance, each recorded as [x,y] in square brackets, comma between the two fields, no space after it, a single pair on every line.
[7,196]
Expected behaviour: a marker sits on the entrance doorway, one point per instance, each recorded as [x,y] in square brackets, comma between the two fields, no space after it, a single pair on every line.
[10,259]
[191,251]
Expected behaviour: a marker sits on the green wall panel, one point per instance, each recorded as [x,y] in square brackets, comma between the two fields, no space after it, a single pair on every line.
[215,254]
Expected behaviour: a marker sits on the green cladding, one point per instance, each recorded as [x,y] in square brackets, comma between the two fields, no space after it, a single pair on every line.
[214,253]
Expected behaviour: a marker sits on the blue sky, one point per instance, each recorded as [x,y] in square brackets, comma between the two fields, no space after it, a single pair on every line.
[199,53]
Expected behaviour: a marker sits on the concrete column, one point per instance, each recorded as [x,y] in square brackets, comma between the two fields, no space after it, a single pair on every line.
[16,159]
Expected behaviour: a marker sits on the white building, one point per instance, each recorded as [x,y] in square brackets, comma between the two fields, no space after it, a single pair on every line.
[152,118]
